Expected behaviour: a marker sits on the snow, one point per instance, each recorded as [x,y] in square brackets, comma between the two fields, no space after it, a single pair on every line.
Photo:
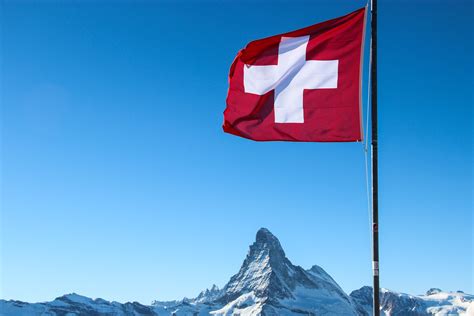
[254,276]
[448,303]
[470,309]
[435,302]
[245,305]
[319,301]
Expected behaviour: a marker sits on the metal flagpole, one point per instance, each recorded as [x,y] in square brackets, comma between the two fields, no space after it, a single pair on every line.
[375,184]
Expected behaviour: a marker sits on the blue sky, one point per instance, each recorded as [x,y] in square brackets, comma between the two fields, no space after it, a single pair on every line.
[118,182]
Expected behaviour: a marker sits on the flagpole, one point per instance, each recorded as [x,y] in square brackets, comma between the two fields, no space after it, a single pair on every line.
[375,182]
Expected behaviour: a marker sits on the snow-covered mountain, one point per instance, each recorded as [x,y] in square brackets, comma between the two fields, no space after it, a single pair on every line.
[266,284]
[269,284]
[73,304]
[434,302]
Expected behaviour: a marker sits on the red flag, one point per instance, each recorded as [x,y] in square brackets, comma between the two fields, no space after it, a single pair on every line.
[303,85]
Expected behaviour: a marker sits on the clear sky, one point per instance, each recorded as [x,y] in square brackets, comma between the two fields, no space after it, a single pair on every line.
[118,182]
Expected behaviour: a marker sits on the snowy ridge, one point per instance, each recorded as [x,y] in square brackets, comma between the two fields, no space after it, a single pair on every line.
[436,302]
[208,295]
[267,284]
[74,304]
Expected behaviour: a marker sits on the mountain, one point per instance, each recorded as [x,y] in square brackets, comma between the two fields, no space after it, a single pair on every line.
[267,284]
[434,302]
[73,304]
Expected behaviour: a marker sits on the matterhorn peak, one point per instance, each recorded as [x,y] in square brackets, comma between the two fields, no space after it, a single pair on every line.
[267,242]
[261,269]
[268,278]
[267,273]
[264,236]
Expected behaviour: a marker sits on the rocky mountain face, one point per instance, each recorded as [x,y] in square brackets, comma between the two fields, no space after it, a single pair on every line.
[269,284]
[266,284]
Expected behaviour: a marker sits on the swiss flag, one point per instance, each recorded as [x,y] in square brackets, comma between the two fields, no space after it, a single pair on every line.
[303,85]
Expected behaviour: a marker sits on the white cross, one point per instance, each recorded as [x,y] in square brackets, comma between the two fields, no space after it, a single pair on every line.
[290,77]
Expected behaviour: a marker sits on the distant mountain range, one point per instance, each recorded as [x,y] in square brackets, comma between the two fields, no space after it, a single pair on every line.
[266,284]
